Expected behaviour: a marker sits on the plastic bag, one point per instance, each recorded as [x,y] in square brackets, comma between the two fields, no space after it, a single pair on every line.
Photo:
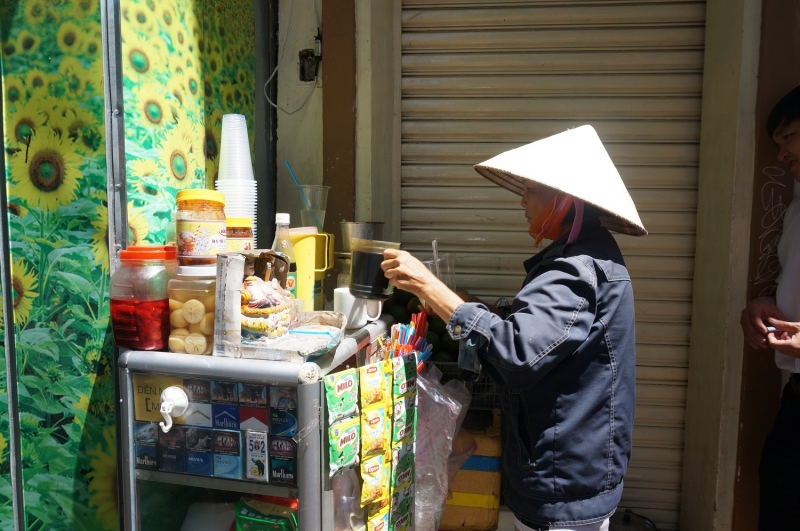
[439,411]
[347,512]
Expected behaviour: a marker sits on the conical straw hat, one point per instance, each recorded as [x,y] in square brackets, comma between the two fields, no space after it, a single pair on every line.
[574,162]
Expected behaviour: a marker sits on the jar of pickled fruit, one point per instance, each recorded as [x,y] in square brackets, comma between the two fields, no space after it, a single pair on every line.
[200,226]
[138,297]
[191,310]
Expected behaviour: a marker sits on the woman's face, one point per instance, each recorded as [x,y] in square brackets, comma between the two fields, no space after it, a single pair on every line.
[535,198]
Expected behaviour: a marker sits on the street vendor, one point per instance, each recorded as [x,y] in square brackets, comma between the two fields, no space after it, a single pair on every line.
[564,356]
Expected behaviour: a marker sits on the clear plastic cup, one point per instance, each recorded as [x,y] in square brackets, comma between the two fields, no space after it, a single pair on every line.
[446,272]
[234,157]
[312,210]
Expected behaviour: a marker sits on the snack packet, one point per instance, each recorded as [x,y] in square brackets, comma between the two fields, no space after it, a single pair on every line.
[373,489]
[404,375]
[261,516]
[344,439]
[374,426]
[341,395]
[374,508]
[402,466]
[386,367]
[372,384]
[379,522]
[404,419]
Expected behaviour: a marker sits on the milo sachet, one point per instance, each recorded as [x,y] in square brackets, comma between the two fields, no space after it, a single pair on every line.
[403,419]
[402,466]
[374,427]
[373,489]
[372,384]
[341,395]
[404,375]
[344,440]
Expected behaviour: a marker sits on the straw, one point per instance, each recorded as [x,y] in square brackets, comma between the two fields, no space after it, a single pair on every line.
[436,259]
[303,197]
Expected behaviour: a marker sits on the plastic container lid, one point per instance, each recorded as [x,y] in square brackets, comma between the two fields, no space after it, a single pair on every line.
[238,222]
[282,219]
[200,195]
[197,271]
[149,252]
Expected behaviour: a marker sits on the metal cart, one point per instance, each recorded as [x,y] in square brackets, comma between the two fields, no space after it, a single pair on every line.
[313,489]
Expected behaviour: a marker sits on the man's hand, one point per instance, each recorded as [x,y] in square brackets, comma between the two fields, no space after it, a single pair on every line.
[787,339]
[753,317]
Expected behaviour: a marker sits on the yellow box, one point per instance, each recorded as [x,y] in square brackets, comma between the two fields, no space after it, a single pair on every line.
[147,390]
[457,518]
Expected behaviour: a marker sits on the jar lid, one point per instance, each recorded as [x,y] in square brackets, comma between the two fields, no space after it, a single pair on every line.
[149,252]
[239,222]
[282,218]
[197,271]
[200,195]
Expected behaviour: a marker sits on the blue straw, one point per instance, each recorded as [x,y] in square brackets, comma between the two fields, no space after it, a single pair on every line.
[303,197]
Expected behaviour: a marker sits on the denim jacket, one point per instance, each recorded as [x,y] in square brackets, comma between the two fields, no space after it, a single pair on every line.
[564,362]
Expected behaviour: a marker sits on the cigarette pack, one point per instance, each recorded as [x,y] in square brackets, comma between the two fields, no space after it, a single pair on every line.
[283,411]
[199,452]
[256,452]
[145,440]
[172,450]
[282,460]
[227,454]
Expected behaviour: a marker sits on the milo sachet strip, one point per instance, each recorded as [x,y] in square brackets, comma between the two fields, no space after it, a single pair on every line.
[344,440]
[372,384]
[404,375]
[403,419]
[402,511]
[372,470]
[402,466]
[374,428]
[341,395]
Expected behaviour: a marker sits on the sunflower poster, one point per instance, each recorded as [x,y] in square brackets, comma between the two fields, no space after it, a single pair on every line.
[185,63]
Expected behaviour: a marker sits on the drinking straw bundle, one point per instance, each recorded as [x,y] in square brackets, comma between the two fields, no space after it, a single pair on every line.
[411,338]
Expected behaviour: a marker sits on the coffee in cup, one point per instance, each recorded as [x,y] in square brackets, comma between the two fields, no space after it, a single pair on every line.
[367,280]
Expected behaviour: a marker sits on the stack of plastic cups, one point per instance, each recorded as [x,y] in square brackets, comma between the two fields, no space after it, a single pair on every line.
[236,179]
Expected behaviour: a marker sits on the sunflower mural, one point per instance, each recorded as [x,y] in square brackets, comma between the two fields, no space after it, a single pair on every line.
[185,64]
[55,168]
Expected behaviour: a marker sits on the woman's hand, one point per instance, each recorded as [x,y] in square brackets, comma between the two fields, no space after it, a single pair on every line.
[752,320]
[787,339]
[409,274]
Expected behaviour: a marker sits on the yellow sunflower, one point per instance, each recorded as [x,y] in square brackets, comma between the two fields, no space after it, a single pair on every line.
[227,95]
[214,63]
[103,480]
[53,108]
[138,227]
[177,158]
[166,15]
[141,56]
[36,12]
[143,168]
[69,37]
[22,123]
[213,134]
[46,174]
[23,284]
[151,107]
[208,88]
[82,127]
[14,89]
[17,210]
[176,87]
[188,129]
[85,8]
[75,73]
[36,79]
[92,47]
[141,20]
[214,116]
[229,57]
[242,77]
[151,5]
[100,238]
[28,42]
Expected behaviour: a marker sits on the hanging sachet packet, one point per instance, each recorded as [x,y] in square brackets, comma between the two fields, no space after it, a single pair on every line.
[341,395]
[344,440]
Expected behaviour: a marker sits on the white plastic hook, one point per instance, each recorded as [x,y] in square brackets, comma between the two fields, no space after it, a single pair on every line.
[174,403]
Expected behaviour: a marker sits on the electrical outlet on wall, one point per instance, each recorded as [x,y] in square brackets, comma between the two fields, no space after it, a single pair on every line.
[308,65]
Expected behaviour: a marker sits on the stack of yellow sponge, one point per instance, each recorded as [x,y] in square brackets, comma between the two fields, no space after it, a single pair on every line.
[475,504]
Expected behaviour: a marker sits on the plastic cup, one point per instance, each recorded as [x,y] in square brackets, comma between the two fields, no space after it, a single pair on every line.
[234,156]
[312,210]
[447,270]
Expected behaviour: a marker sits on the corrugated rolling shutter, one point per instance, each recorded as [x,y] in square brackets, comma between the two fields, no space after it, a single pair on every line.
[480,77]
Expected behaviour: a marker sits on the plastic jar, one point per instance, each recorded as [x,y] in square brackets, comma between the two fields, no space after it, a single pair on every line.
[138,293]
[239,235]
[191,305]
[200,226]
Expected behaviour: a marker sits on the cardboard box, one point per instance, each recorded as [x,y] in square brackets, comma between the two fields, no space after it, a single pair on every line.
[227,454]
[199,451]
[145,441]
[283,460]
[172,450]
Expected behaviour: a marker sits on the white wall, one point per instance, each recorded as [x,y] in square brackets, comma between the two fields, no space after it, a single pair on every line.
[299,134]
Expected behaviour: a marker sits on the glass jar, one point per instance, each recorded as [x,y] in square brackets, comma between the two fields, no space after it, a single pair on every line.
[200,226]
[138,293]
[192,296]
[239,235]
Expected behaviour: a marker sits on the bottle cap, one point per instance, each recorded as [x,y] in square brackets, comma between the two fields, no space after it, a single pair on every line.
[149,252]
[282,219]
[197,271]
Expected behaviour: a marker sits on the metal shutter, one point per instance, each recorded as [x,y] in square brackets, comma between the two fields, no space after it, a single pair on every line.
[480,77]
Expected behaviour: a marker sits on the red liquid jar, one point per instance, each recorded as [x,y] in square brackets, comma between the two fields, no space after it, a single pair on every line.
[139,302]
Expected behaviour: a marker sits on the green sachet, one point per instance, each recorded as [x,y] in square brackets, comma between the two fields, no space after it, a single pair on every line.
[404,375]
[344,440]
[252,515]
[341,395]
[402,466]
[403,419]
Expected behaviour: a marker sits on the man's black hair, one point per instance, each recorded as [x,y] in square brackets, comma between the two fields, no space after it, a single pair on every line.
[785,111]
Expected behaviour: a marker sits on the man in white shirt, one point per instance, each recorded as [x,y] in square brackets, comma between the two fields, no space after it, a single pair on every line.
[774,322]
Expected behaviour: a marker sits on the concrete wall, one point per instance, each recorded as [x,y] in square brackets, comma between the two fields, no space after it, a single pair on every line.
[300,133]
